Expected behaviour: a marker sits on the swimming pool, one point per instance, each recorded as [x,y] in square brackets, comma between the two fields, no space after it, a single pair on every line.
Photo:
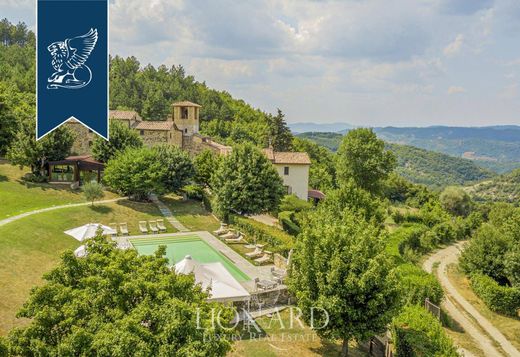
[179,246]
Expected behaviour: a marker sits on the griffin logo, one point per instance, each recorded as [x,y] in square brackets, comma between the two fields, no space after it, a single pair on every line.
[68,61]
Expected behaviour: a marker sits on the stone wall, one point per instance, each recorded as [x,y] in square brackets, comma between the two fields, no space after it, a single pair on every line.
[154,137]
[84,138]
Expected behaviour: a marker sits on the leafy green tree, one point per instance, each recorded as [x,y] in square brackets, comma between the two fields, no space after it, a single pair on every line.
[93,191]
[280,136]
[135,172]
[293,203]
[121,137]
[13,105]
[26,151]
[456,201]
[206,164]
[362,158]
[485,253]
[340,266]
[357,200]
[322,174]
[246,182]
[118,303]
[177,165]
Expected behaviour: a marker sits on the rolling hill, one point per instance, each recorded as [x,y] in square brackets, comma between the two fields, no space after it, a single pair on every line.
[418,165]
[501,188]
[494,147]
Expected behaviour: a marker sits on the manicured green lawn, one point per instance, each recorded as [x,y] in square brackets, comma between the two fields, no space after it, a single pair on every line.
[280,339]
[191,214]
[32,246]
[18,197]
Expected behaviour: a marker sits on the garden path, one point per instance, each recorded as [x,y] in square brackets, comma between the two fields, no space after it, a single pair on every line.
[167,213]
[461,310]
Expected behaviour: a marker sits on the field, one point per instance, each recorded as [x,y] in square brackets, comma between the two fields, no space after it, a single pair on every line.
[19,197]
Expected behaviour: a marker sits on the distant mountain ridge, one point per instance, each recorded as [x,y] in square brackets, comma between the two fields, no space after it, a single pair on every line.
[301,127]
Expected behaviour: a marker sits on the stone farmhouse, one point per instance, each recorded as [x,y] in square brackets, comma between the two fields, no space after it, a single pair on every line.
[181,129]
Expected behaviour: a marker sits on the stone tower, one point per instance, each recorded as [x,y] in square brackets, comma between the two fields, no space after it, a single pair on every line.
[186,117]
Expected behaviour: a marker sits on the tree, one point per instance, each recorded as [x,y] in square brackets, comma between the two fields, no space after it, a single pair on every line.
[116,302]
[246,182]
[121,137]
[485,253]
[177,165]
[456,201]
[26,151]
[13,105]
[135,172]
[340,266]
[206,164]
[357,200]
[280,135]
[362,157]
[93,191]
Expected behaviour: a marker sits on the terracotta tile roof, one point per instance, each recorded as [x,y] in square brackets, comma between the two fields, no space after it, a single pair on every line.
[186,103]
[154,125]
[123,114]
[279,157]
[316,194]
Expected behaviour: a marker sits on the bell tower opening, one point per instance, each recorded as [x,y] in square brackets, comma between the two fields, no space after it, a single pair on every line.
[186,117]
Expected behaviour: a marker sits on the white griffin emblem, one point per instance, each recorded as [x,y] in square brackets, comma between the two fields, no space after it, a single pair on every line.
[68,61]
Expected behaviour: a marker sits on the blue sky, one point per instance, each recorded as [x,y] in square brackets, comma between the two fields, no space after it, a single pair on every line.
[373,62]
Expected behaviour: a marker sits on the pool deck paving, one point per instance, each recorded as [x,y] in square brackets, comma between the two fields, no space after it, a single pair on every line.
[261,272]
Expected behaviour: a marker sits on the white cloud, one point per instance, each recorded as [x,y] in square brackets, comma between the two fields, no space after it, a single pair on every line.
[454,47]
[456,90]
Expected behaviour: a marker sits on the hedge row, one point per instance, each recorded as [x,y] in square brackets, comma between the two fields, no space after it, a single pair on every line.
[502,299]
[416,332]
[417,285]
[278,240]
[286,219]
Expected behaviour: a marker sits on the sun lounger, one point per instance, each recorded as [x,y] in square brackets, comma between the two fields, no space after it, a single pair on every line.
[278,273]
[153,226]
[160,225]
[114,227]
[123,228]
[264,258]
[229,235]
[239,240]
[254,254]
[220,231]
[142,227]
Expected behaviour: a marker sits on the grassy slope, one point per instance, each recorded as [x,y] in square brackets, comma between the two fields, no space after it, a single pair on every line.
[510,327]
[31,246]
[191,214]
[18,197]
[280,339]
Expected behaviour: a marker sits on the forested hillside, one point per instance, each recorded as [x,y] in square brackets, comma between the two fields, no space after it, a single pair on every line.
[419,165]
[502,188]
[493,147]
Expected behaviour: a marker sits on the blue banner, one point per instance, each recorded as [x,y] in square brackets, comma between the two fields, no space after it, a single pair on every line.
[72,64]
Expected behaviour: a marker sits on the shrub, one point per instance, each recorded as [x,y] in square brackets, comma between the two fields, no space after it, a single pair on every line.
[417,285]
[456,201]
[34,177]
[502,299]
[444,232]
[417,333]
[408,236]
[280,241]
[286,218]
[195,192]
[293,203]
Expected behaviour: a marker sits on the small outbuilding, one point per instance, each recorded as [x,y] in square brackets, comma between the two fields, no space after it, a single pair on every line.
[75,169]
